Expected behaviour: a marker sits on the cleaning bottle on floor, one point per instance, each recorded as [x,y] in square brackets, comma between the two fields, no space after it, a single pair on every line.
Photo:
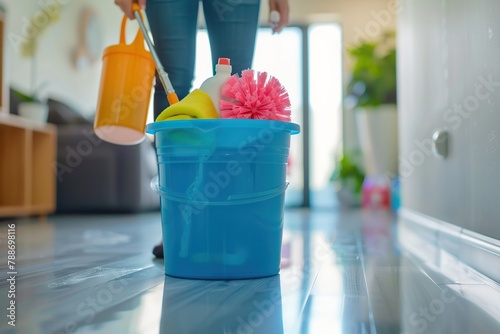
[213,85]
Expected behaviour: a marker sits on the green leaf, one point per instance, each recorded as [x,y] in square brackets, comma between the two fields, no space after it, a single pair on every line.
[347,169]
[374,66]
[23,96]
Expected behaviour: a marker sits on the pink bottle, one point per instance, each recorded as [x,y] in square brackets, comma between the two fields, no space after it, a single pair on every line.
[375,193]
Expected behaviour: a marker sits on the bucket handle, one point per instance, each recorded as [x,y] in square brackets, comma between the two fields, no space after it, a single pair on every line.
[139,38]
[231,199]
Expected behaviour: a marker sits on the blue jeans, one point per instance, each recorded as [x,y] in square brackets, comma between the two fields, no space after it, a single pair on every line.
[232,28]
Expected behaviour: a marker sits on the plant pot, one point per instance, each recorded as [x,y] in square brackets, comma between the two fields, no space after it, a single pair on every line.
[346,193]
[378,136]
[35,111]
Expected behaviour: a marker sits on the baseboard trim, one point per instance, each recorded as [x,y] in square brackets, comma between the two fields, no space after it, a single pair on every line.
[427,236]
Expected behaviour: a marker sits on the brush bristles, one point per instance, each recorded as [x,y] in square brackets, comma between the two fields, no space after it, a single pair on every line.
[256,95]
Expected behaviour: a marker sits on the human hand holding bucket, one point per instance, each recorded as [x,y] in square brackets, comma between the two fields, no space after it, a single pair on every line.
[126,82]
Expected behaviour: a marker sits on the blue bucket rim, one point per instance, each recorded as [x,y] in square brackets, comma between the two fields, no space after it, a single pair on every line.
[209,124]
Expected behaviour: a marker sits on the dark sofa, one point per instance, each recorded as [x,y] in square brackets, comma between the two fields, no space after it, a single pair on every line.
[94,176]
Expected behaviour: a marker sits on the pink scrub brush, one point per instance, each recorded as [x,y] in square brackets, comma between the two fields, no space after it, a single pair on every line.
[256,95]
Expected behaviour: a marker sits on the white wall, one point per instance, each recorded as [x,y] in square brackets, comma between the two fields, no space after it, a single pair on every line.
[54,62]
[448,81]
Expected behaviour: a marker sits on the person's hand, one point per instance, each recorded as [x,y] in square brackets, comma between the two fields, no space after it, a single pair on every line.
[126,6]
[281,6]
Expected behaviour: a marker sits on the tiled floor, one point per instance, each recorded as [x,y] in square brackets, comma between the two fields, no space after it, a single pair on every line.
[343,272]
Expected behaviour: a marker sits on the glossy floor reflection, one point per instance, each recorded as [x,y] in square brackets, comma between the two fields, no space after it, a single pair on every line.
[342,272]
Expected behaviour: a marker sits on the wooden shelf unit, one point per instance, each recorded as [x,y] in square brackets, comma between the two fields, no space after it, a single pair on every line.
[27,175]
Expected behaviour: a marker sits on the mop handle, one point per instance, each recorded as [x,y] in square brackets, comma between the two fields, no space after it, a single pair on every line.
[162,74]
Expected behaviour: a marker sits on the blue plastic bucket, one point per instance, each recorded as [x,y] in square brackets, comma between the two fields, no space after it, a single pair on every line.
[222,184]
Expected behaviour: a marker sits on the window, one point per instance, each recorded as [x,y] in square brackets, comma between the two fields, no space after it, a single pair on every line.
[325,107]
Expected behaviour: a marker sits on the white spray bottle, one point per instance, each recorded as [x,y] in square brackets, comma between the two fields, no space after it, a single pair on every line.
[213,85]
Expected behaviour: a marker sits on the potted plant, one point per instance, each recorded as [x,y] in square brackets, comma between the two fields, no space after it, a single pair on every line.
[347,179]
[372,93]
[31,107]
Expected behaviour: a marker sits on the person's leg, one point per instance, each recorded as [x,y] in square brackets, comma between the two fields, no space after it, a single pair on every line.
[232,29]
[173,25]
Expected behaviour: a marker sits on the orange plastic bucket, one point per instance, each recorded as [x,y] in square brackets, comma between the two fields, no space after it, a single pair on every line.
[126,82]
